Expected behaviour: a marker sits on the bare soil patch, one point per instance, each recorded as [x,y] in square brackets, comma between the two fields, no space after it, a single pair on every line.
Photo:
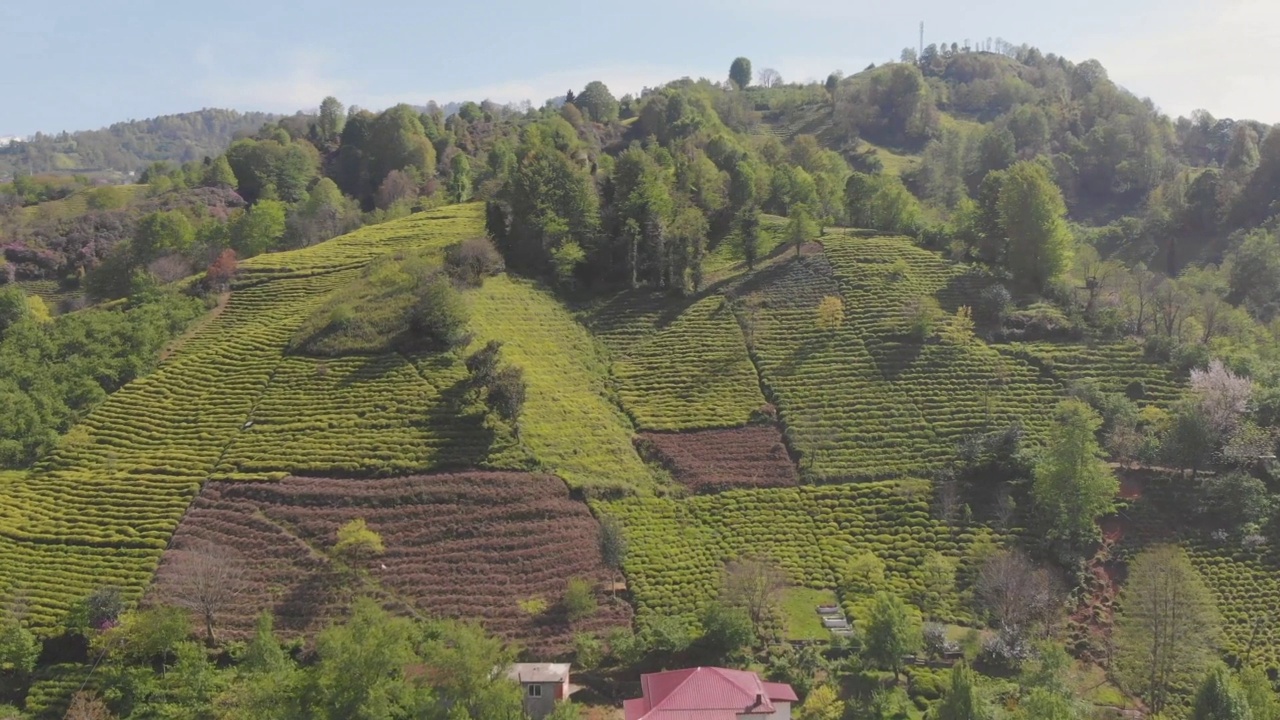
[710,461]
[472,545]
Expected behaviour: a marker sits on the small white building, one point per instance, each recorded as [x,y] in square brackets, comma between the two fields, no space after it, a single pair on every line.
[542,684]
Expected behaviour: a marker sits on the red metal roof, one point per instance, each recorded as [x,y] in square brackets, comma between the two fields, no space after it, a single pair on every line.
[705,693]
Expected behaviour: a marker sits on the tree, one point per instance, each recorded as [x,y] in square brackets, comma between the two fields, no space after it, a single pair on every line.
[1220,697]
[599,104]
[756,586]
[963,701]
[768,77]
[1017,594]
[833,82]
[1223,397]
[749,236]
[264,654]
[86,705]
[864,575]
[579,599]
[893,630]
[397,187]
[740,73]
[1073,484]
[259,229]
[160,233]
[822,703]
[1168,625]
[1033,215]
[460,178]
[507,392]
[360,667]
[1260,693]
[726,632]
[830,313]
[220,175]
[613,544]
[939,573]
[19,648]
[14,307]
[331,119]
[357,542]
[207,579]
[800,228]
[222,270]
[959,327]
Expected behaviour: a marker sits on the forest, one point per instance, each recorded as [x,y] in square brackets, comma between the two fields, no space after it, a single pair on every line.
[977,348]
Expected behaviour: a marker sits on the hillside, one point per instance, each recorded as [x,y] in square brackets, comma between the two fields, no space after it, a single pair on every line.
[954,347]
[126,148]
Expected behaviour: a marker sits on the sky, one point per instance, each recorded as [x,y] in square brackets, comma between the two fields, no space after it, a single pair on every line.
[83,64]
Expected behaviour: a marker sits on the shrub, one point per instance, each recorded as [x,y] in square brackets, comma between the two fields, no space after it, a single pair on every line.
[439,315]
[357,542]
[507,393]
[471,261]
[579,599]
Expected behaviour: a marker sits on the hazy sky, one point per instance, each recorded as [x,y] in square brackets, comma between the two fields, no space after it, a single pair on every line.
[80,64]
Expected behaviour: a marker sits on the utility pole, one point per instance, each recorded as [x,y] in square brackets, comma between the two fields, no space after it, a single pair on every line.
[921,55]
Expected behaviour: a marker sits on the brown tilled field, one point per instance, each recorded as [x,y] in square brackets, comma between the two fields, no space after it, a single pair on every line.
[714,460]
[465,545]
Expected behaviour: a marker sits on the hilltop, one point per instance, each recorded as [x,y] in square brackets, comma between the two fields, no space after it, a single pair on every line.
[961,348]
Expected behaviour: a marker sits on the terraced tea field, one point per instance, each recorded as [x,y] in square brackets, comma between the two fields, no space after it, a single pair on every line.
[692,373]
[865,400]
[359,416]
[101,508]
[569,424]
[678,547]
[1118,367]
[470,545]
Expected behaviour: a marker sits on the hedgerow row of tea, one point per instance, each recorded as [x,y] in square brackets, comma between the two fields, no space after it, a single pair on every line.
[694,373]
[358,416]
[678,547]
[1245,588]
[1118,367]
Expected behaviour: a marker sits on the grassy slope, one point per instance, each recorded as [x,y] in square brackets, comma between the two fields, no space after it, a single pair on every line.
[569,424]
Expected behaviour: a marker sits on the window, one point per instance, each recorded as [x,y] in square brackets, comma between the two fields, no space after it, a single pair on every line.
[535,691]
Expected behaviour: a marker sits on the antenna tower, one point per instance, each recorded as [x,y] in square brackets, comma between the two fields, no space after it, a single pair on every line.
[921,40]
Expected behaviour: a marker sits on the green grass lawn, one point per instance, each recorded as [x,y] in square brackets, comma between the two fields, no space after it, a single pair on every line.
[799,609]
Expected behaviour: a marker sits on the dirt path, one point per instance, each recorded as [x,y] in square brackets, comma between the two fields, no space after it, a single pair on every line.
[209,317]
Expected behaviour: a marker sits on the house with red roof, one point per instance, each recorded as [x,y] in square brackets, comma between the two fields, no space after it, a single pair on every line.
[709,693]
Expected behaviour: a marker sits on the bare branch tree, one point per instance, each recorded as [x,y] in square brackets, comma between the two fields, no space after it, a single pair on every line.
[206,579]
[768,77]
[1018,594]
[86,705]
[756,586]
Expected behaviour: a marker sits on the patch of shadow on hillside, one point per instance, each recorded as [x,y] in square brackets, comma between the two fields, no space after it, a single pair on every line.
[457,425]
[895,355]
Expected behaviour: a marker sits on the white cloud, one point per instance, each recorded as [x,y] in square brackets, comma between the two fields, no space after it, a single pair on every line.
[299,80]
[1212,54]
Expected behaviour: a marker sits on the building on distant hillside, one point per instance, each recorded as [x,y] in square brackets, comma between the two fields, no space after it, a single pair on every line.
[709,693]
[542,684]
